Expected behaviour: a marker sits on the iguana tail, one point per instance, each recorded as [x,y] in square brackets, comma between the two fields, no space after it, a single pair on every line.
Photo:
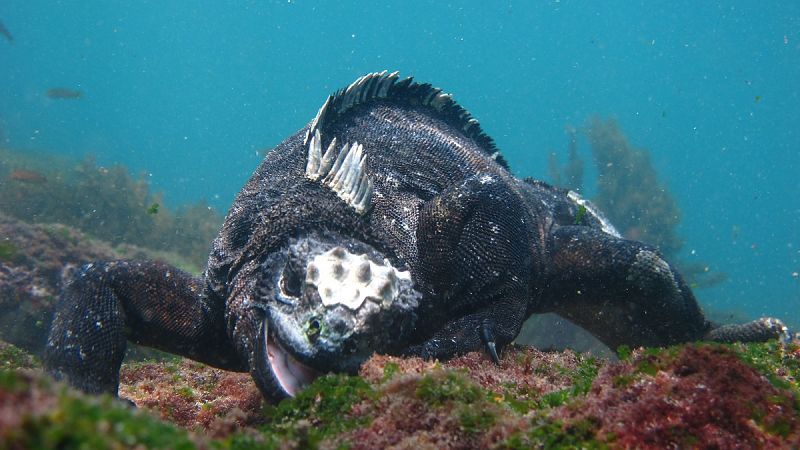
[759,330]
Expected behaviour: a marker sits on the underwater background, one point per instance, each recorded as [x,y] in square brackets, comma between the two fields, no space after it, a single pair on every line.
[193,95]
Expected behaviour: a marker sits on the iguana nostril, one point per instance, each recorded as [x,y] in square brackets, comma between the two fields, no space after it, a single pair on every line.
[313,329]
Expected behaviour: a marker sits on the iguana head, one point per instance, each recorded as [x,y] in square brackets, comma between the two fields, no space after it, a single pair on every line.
[331,301]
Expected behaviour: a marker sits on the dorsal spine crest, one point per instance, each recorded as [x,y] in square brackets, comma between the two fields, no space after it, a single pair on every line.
[384,85]
[346,175]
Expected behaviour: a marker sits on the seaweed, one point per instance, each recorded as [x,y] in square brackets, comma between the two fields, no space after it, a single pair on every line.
[38,258]
[687,396]
[8,251]
[13,357]
[106,203]
[628,188]
[630,193]
[35,413]
[321,411]
[694,395]
[570,176]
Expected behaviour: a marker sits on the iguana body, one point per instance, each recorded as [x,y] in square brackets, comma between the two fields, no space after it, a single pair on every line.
[388,224]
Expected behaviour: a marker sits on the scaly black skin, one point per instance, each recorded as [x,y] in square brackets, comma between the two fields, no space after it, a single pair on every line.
[484,250]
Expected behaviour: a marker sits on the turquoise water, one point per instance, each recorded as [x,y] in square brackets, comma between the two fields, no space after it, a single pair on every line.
[192,94]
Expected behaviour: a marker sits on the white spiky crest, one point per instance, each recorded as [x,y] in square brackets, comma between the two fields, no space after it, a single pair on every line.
[346,175]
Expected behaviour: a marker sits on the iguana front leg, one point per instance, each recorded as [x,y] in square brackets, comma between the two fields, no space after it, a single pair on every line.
[149,303]
[624,292]
[474,254]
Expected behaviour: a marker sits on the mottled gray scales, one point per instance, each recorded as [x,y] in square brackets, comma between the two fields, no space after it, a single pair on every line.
[390,224]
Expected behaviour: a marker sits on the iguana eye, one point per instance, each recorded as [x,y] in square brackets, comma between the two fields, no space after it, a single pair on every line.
[291,282]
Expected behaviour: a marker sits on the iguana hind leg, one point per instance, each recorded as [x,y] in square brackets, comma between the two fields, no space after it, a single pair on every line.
[149,303]
[624,292]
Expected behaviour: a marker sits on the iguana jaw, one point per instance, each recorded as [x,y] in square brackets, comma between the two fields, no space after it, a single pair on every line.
[290,374]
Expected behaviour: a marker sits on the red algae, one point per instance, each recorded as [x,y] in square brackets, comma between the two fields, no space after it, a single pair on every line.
[33,400]
[526,371]
[703,397]
[193,395]
[695,396]
[402,417]
[458,404]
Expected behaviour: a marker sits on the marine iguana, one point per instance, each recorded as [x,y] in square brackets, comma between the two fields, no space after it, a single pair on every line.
[390,224]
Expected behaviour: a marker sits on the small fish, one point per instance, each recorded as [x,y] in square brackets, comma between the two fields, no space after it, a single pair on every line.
[27,176]
[63,93]
[153,209]
[758,98]
[6,34]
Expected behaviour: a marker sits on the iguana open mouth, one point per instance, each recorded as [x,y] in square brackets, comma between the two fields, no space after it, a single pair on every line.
[291,374]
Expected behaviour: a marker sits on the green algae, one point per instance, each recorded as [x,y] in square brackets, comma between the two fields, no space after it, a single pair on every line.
[323,414]
[453,386]
[8,251]
[476,419]
[71,420]
[475,407]
[581,378]
[580,215]
[317,413]
[778,362]
[624,352]
[548,433]
[185,392]
[13,357]
[390,370]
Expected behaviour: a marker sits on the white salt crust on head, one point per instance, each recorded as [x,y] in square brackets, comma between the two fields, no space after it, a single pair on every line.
[344,278]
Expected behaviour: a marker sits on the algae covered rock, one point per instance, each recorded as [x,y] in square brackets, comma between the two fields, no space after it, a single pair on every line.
[35,259]
[696,395]
[193,395]
[36,413]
